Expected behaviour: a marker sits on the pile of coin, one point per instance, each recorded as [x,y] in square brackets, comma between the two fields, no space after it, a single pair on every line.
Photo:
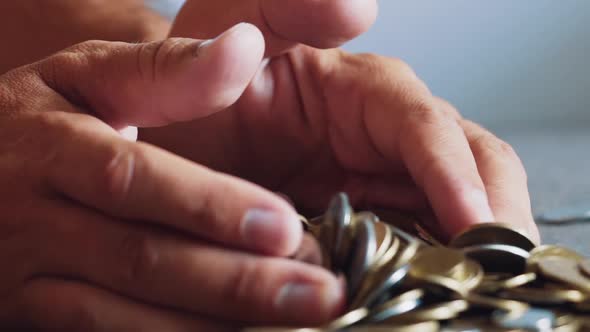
[489,278]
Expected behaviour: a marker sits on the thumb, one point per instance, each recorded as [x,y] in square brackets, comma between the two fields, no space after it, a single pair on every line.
[158,83]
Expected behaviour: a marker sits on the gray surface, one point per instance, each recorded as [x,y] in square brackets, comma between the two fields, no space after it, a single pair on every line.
[558,163]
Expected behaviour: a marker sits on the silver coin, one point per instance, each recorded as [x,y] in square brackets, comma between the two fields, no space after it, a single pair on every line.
[363,255]
[533,319]
[393,279]
[367,215]
[399,305]
[498,258]
[564,215]
[339,215]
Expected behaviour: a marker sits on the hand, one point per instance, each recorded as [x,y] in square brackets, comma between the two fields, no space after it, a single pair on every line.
[99,233]
[35,29]
[314,122]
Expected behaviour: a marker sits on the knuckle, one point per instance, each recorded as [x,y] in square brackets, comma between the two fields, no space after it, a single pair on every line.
[448,108]
[78,56]
[138,258]
[119,172]
[490,144]
[209,210]
[422,111]
[245,278]
[153,58]
[401,67]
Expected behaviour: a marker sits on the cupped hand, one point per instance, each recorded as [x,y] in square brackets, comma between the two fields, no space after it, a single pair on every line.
[313,122]
[101,233]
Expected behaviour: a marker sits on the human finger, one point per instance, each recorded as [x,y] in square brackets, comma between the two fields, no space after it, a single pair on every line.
[407,126]
[67,305]
[157,83]
[166,268]
[505,179]
[321,24]
[134,181]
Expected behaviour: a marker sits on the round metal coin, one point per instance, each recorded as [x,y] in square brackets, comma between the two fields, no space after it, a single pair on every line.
[493,233]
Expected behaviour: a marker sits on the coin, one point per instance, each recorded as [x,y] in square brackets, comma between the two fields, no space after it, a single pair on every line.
[434,312]
[543,296]
[492,286]
[416,327]
[348,319]
[490,272]
[385,238]
[378,283]
[471,274]
[564,270]
[535,319]
[545,251]
[401,304]
[436,260]
[339,217]
[487,302]
[281,329]
[427,236]
[492,233]
[364,254]
[389,254]
[498,257]
[584,266]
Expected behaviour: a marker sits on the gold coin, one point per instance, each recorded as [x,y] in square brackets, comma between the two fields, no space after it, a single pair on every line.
[426,235]
[436,312]
[389,254]
[416,327]
[496,303]
[313,229]
[545,251]
[441,284]
[583,306]
[281,329]
[575,326]
[472,274]
[406,253]
[378,281]
[492,233]
[436,261]
[384,239]
[564,270]
[564,322]
[543,296]
[411,296]
[585,267]
[348,319]
[491,286]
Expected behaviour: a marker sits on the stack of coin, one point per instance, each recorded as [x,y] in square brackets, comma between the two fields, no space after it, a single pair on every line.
[489,278]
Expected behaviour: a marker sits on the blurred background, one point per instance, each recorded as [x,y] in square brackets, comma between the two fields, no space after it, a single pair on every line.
[507,64]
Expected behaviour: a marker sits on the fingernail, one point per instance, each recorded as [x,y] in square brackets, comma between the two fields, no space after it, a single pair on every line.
[236,29]
[323,301]
[267,230]
[480,205]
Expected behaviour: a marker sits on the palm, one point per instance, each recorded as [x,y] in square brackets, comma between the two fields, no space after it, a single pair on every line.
[308,138]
